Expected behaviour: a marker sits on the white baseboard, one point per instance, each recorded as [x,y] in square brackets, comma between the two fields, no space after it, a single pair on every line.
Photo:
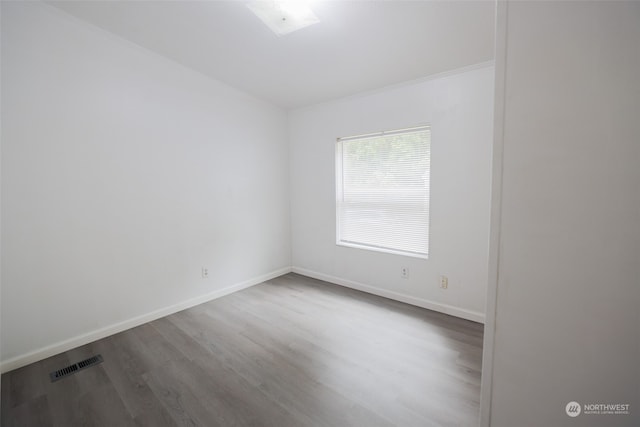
[62,346]
[474,316]
[71,343]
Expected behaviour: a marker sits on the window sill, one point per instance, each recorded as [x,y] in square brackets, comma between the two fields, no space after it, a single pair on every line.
[383,250]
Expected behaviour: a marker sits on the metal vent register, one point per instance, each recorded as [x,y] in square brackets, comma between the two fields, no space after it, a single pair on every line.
[76,367]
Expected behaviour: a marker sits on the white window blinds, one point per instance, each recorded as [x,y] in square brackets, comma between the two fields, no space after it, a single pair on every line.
[382,191]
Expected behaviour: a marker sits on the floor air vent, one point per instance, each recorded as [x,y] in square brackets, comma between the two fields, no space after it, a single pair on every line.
[72,369]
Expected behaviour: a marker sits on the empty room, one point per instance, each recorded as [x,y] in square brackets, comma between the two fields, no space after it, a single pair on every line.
[320,213]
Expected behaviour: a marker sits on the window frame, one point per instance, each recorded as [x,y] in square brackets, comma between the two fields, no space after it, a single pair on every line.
[339,192]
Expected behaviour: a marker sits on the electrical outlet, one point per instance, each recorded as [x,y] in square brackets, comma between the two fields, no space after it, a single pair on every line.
[404,272]
[205,273]
[444,282]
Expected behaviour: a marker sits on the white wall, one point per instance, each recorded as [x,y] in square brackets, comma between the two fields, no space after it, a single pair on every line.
[567,323]
[122,175]
[459,109]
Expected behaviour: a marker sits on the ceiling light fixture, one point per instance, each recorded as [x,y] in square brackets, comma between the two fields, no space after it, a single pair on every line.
[284,17]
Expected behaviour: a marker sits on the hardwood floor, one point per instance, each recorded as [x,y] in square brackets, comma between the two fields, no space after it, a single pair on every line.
[293,351]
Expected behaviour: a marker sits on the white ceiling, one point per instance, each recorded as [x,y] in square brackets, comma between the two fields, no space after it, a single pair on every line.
[357,46]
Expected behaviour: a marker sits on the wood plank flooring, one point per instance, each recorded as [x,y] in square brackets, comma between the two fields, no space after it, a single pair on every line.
[293,351]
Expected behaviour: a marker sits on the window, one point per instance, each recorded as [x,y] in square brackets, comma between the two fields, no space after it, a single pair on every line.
[382,191]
